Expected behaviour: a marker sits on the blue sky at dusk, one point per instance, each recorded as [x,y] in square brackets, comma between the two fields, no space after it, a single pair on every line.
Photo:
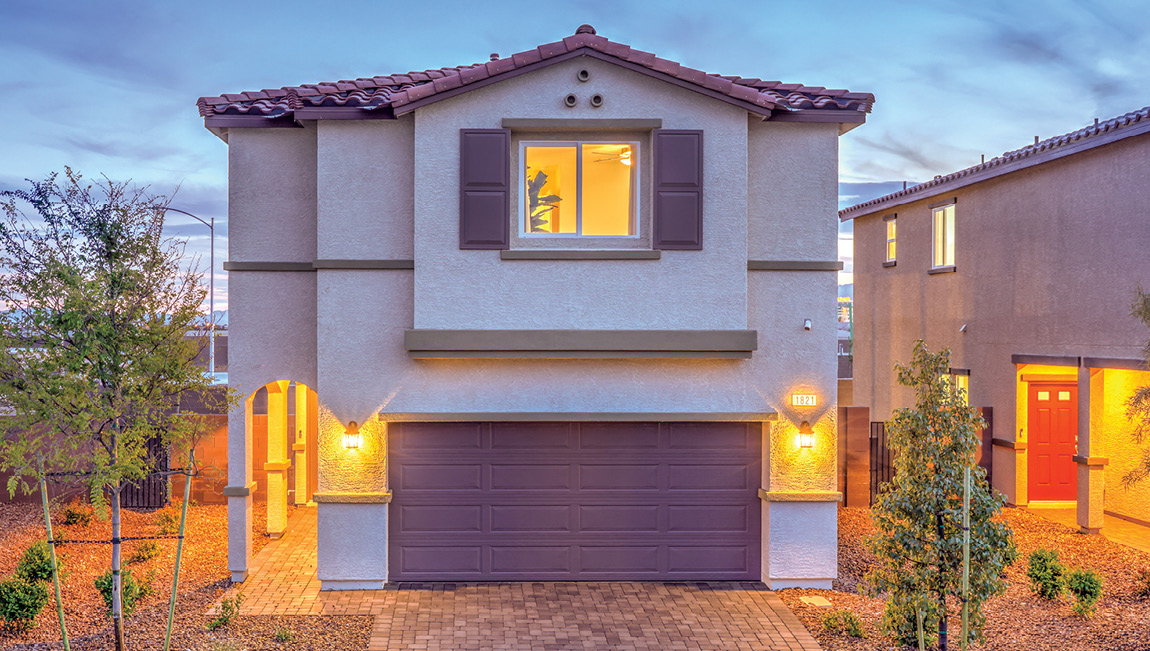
[110,87]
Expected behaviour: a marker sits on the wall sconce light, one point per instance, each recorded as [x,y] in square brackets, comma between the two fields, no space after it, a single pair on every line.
[806,435]
[351,436]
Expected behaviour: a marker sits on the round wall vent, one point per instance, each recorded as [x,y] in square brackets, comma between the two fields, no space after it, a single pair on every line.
[596,100]
[570,100]
[583,75]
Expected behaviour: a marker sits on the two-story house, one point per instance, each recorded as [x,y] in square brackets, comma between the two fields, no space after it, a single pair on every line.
[566,314]
[1026,266]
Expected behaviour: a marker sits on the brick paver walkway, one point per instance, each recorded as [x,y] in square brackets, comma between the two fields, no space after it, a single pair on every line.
[632,616]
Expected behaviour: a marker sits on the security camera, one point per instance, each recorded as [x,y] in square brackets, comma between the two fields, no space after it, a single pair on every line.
[963,328]
[807,325]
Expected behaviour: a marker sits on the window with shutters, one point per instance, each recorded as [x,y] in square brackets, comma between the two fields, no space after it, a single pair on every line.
[579,188]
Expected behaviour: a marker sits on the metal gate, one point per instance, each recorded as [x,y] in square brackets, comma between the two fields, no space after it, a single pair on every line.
[881,463]
[151,492]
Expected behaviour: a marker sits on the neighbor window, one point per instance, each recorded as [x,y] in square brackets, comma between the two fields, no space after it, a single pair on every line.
[891,238]
[944,236]
[959,378]
[579,189]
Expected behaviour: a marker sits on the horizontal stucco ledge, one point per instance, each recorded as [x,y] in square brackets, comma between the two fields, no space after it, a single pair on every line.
[239,491]
[351,498]
[800,496]
[579,416]
[436,343]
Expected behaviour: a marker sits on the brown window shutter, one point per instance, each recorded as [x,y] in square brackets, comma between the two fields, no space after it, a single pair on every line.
[484,188]
[678,207]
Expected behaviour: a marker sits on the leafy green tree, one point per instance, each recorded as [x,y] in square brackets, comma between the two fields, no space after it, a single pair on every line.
[1138,405]
[918,516]
[94,351]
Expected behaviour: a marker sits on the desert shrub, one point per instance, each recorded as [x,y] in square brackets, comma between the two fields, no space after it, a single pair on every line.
[36,563]
[284,635]
[1045,573]
[76,512]
[21,601]
[229,608]
[1086,586]
[132,590]
[900,618]
[845,622]
[146,551]
[168,521]
[1142,584]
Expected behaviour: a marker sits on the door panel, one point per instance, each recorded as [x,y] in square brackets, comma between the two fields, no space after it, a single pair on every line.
[563,501]
[1053,433]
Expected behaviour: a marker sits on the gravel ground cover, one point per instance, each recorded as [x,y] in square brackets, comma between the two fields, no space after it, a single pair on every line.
[1017,620]
[203,579]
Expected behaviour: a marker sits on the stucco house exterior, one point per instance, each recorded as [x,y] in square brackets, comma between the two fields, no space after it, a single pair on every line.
[1026,266]
[567,314]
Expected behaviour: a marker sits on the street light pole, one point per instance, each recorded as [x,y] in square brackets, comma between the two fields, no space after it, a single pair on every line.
[211,224]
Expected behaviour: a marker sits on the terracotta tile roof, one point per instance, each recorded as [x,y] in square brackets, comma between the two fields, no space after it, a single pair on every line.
[402,90]
[1099,133]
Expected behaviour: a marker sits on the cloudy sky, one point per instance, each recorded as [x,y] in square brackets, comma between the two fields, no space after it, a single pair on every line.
[110,87]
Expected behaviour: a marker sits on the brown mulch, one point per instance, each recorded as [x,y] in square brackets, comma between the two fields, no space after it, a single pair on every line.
[1017,620]
[203,579]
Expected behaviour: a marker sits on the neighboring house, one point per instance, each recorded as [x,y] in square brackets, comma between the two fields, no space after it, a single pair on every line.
[561,315]
[1026,266]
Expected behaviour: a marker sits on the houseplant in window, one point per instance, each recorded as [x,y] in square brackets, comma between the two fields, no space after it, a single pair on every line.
[539,207]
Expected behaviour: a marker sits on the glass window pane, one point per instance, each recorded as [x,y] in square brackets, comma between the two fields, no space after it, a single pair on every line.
[939,219]
[890,250]
[949,235]
[891,230]
[608,189]
[1064,395]
[1044,395]
[550,195]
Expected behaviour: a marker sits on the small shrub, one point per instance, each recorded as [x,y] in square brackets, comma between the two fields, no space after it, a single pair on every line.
[845,622]
[76,512]
[132,591]
[284,635]
[225,645]
[36,563]
[1045,573]
[146,551]
[168,521]
[1086,586]
[21,601]
[1142,584]
[229,608]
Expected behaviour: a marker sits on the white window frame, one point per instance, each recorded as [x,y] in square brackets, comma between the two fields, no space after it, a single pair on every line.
[636,162]
[937,244]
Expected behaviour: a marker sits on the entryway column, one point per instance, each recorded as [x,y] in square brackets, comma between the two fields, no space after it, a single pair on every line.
[300,444]
[278,461]
[1091,467]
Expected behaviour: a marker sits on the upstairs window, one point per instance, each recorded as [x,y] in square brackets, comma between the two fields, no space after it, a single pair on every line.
[891,239]
[579,189]
[943,236]
[959,381]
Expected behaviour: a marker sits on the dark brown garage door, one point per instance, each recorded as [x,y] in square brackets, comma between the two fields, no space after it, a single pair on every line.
[562,501]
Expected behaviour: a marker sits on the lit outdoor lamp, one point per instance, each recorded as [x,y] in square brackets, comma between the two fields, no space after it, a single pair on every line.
[351,436]
[806,435]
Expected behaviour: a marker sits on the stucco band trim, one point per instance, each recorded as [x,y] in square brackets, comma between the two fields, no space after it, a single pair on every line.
[239,491]
[1046,360]
[363,264]
[800,496]
[1040,377]
[277,465]
[351,498]
[794,265]
[1092,462]
[576,254]
[1116,363]
[580,416]
[1007,443]
[590,124]
[701,344]
[268,266]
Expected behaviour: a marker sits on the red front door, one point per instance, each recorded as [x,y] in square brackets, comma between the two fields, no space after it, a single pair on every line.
[1053,441]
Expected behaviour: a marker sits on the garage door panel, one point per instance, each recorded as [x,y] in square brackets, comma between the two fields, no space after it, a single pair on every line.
[617,559]
[441,519]
[505,518]
[521,559]
[709,477]
[619,477]
[439,477]
[531,476]
[608,501]
[603,517]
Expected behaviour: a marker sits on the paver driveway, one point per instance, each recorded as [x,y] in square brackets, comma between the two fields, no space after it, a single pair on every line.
[527,616]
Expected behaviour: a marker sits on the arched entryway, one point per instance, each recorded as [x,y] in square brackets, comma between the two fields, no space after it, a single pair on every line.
[283,417]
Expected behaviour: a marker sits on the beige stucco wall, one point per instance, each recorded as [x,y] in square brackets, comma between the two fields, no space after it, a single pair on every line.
[1047,260]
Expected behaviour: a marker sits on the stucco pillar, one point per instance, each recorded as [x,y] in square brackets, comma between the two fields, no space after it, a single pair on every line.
[239,490]
[299,446]
[1091,465]
[277,462]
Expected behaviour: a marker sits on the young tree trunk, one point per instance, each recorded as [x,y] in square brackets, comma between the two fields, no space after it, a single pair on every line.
[117,584]
[942,622]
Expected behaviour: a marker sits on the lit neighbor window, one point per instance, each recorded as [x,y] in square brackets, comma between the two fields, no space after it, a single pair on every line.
[944,236]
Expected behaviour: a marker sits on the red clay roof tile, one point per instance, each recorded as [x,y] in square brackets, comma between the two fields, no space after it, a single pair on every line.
[402,89]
